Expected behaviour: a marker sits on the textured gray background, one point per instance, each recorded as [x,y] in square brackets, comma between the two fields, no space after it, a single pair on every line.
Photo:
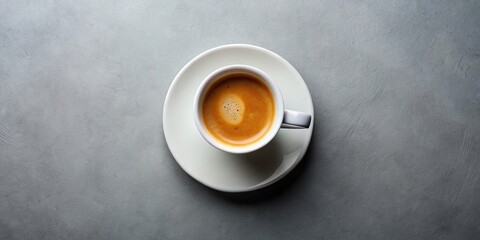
[395,152]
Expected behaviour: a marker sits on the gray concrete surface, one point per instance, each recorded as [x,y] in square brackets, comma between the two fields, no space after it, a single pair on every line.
[395,152]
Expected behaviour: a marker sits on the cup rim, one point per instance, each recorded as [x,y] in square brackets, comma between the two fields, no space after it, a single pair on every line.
[216,75]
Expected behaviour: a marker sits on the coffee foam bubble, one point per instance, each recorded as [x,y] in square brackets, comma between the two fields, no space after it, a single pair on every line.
[232,109]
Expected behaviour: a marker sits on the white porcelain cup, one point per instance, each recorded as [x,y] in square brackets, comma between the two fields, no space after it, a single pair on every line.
[283,118]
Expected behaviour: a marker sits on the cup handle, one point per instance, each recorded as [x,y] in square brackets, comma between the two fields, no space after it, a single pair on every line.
[294,119]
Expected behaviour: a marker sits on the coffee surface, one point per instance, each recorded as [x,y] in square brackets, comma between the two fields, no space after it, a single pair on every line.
[238,110]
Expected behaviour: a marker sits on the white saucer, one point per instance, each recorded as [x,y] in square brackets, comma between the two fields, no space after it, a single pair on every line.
[230,172]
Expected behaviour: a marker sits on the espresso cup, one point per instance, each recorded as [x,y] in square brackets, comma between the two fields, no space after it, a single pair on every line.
[239,109]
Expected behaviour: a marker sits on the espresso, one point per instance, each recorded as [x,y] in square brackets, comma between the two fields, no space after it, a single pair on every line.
[238,110]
